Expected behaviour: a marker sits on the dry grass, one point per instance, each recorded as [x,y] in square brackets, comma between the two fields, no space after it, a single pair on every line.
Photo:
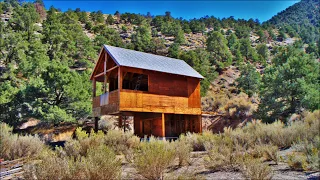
[13,146]
[99,163]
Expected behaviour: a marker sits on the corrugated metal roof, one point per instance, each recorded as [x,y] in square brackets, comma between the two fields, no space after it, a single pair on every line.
[141,60]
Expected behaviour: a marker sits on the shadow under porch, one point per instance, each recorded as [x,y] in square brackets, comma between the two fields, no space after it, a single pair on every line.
[165,125]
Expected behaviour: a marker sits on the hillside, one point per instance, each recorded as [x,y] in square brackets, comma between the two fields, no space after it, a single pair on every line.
[302,18]
[47,57]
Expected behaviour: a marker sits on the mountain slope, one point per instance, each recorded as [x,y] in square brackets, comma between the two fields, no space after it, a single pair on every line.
[302,18]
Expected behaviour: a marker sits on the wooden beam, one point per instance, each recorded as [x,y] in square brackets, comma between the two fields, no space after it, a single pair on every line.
[98,75]
[107,72]
[119,79]
[163,126]
[104,73]
[94,85]
[112,69]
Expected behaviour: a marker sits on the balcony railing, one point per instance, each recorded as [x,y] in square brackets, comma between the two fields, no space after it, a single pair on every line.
[105,99]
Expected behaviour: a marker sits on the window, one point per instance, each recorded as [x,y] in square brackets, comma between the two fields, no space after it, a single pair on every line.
[135,81]
[113,84]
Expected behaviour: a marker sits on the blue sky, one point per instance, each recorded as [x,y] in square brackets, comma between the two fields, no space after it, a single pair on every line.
[262,10]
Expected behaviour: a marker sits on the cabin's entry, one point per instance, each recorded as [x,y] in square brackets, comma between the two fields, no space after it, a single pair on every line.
[165,125]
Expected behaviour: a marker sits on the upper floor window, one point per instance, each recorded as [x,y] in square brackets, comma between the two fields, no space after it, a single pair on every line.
[135,81]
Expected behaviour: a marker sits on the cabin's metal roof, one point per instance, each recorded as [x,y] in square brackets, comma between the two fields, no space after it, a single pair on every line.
[141,60]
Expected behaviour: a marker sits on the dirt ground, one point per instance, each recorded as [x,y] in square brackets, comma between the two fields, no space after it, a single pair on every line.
[197,170]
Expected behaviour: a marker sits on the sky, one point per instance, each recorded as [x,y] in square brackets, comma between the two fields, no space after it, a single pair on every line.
[262,10]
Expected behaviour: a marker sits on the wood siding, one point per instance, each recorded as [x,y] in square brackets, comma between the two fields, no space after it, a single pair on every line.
[144,102]
[167,93]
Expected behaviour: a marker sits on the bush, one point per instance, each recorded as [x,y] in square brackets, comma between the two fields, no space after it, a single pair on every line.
[223,153]
[99,163]
[297,161]
[13,146]
[266,151]
[153,158]
[120,141]
[183,151]
[48,166]
[254,169]
[197,140]
[307,155]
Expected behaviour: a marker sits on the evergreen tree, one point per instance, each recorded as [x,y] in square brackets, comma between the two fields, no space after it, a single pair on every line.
[249,80]
[110,19]
[142,38]
[217,46]
[174,50]
[247,51]
[263,52]
[290,85]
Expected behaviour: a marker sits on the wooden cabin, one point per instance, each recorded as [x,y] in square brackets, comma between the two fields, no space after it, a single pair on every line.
[162,94]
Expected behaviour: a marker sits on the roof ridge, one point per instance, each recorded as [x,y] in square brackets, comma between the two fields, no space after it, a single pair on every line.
[145,53]
[148,61]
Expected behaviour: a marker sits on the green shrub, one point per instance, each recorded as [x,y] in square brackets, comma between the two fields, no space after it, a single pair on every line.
[197,140]
[183,151]
[73,148]
[308,153]
[254,169]
[13,146]
[297,161]
[101,163]
[120,141]
[266,151]
[223,154]
[81,134]
[153,158]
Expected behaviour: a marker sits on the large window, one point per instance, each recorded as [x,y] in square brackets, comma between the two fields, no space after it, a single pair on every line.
[135,81]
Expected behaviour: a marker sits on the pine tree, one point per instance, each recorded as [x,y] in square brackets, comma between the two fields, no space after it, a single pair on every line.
[290,85]
[110,19]
[249,80]
[217,46]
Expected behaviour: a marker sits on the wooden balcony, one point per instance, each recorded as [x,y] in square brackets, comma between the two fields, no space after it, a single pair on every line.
[107,103]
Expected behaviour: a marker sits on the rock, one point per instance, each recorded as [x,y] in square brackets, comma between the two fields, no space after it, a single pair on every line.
[124,35]
[170,38]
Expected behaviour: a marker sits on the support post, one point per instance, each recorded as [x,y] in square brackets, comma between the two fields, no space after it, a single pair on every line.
[200,122]
[163,126]
[124,123]
[94,85]
[96,124]
[104,74]
[120,122]
[119,79]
